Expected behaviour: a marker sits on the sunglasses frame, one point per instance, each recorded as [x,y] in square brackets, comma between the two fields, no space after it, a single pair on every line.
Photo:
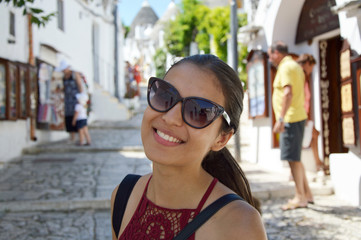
[220,110]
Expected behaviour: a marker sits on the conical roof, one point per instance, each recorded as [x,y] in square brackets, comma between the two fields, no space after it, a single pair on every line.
[170,13]
[145,16]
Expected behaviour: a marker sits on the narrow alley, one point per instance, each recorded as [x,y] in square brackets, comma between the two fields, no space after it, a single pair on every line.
[61,191]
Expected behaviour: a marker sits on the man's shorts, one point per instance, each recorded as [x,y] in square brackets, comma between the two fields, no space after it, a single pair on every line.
[291,141]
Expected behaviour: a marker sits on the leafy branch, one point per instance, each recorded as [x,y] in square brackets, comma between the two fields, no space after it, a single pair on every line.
[38,16]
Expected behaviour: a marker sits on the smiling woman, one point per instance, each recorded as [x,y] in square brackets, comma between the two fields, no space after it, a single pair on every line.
[192,114]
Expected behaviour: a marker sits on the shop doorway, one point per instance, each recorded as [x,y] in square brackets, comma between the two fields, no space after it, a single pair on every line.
[330,97]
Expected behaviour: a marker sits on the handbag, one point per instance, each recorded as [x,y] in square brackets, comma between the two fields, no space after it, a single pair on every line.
[125,189]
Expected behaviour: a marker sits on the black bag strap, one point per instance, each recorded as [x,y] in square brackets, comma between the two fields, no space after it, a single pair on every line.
[121,199]
[204,215]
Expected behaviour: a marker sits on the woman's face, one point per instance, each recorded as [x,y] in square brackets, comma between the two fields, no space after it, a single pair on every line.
[307,67]
[167,139]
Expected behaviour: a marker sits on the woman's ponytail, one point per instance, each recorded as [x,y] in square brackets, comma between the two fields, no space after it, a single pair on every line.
[224,167]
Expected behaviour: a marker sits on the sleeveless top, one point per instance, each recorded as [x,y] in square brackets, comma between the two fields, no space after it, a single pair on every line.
[70,90]
[152,222]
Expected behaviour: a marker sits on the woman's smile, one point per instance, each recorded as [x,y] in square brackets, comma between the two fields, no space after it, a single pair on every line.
[166,139]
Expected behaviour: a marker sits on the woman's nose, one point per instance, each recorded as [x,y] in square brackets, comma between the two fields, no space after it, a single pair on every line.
[174,115]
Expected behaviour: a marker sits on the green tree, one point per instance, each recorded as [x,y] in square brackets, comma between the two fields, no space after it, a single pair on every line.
[38,16]
[202,38]
[160,59]
[182,31]
[242,51]
[196,22]
[219,27]
[126,30]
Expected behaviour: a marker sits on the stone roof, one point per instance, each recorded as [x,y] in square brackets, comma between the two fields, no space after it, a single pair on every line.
[145,16]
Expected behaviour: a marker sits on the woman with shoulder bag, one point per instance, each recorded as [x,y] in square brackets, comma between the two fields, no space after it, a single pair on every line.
[196,189]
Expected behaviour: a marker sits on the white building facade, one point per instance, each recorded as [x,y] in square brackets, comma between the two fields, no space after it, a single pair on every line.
[83,34]
[330,30]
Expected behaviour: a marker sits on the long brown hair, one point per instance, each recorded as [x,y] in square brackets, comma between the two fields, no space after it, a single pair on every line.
[304,58]
[221,164]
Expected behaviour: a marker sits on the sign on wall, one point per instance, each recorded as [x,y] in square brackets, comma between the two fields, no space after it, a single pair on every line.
[316,18]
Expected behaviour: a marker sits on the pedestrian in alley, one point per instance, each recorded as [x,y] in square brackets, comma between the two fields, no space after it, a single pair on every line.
[80,119]
[191,115]
[137,77]
[288,105]
[307,62]
[72,86]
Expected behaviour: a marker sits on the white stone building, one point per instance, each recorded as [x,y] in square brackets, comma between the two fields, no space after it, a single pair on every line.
[330,30]
[83,34]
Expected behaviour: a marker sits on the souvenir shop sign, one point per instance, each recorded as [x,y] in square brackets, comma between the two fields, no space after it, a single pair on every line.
[345,64]
[257,84]
[316,18]
[347,105]
[329,62]
[348,131]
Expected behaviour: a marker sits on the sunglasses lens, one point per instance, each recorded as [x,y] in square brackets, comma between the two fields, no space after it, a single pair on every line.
[199,113]
[196,112]
[161,97]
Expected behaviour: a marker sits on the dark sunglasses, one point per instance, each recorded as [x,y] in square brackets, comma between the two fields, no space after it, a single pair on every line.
[196,112]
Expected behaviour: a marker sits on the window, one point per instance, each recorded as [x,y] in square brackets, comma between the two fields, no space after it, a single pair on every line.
[61,14]
[12,24]
[257,84]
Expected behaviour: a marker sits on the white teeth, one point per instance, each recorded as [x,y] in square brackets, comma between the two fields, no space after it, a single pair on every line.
[167,137]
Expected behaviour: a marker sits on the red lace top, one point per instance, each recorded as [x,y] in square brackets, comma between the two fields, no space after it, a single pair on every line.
[152,222]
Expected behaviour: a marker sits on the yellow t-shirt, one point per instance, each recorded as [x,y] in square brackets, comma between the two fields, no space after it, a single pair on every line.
[289,73]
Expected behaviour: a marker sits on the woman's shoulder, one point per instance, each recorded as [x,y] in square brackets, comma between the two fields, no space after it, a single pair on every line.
[236,220]
[239,220]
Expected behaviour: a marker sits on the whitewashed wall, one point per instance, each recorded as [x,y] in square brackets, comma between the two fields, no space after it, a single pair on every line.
[350,27]
[17,51]
[74,44]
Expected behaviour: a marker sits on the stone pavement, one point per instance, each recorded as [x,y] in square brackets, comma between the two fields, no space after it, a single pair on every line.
[60,191]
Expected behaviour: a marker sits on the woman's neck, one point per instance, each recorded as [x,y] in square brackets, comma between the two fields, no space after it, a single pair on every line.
[176,188]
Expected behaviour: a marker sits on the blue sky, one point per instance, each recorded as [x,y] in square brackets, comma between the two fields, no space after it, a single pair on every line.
[129,8]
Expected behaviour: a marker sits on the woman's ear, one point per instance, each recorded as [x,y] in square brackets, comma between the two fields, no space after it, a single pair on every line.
[221,140]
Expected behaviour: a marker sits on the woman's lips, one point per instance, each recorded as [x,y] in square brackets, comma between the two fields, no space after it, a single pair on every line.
[166,139]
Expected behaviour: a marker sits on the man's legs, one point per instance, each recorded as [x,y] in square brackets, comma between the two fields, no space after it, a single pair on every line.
[291,146]
[301,185]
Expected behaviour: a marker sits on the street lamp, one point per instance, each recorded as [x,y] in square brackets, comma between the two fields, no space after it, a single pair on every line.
[234,65]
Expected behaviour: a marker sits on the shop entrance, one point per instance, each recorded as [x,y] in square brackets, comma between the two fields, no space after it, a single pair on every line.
[330,97]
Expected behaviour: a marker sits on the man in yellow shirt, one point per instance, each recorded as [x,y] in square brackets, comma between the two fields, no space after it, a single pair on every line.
[288,104]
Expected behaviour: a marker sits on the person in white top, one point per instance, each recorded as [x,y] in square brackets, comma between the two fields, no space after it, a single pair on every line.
[80,119]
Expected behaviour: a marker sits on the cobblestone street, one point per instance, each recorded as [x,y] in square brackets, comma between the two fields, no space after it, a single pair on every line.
[59,191]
